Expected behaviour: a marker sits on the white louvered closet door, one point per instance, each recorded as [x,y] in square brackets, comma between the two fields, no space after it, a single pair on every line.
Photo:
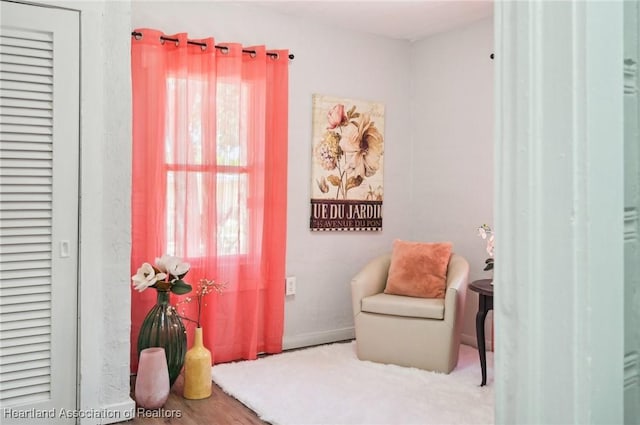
[39,150]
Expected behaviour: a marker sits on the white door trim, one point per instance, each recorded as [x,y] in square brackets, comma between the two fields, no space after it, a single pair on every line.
[559,159]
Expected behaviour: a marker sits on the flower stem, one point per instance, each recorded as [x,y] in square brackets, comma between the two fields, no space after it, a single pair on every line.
[199,307]
[339,186]
[186,318]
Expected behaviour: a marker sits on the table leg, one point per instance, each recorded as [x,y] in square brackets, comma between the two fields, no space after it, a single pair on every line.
[480,317]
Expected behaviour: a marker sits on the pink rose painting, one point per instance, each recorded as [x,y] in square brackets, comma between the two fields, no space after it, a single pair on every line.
[348,147]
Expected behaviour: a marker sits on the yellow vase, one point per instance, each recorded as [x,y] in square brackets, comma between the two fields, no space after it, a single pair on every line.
[197,370]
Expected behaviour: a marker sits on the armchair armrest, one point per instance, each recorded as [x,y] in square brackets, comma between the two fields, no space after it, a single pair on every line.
[457,280]
[370,280]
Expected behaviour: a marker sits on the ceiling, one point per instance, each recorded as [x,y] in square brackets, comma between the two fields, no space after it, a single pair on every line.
[406,20]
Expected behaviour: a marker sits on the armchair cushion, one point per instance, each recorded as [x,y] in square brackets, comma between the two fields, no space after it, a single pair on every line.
[418,269]
[395,305]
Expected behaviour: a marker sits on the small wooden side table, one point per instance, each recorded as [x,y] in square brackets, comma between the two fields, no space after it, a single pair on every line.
[484,288]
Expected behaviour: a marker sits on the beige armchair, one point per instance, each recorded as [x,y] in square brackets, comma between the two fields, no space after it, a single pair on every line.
[408,331]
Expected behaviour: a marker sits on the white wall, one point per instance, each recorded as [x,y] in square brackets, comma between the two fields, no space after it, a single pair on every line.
[333,62]
[105,237]
[452,129]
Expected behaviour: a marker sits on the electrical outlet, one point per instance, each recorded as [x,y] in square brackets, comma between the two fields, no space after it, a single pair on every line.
[290,285]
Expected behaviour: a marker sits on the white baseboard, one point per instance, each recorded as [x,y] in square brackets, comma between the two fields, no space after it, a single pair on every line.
[335,335]
[316,338]
[110,414]
[471,341]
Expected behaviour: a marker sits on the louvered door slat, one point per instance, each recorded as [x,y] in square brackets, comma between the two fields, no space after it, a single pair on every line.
[27,78]
[19,40]
[27,104]
[9,163]
[22,231]
[27,323]
[19,85]
[25,129]
[22,280]
[27,156]
[27,35]
[43,363]
[21,384]
[9,112]
[45,51]
[25,341]
[18,93]
[22,69]
[33,396]
[34,355]
[27,120]
[24,171]
[28,394]
[27,180]
[24,214]
[27,196]
[27,137]
[20,290]
[26,60]
[27,273]
[7,224]
[24,374]
[20,317]
[24,297]
[10,208]
[24,147]
[24,349]
[18,189]
[25,265]
[22,333]
[22,240]
[22,189]
[26,282]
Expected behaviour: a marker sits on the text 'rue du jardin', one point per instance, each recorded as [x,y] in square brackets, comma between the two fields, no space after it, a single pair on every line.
[346,215]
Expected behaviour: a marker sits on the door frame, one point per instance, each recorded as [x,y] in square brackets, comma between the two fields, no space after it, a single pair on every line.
[559,281]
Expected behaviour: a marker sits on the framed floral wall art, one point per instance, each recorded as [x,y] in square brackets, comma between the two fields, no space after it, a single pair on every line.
[346,175]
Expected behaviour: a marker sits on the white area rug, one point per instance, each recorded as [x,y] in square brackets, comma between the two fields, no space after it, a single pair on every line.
[329,385]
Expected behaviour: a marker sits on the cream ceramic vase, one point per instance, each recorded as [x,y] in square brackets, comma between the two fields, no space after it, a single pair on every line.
[197,370]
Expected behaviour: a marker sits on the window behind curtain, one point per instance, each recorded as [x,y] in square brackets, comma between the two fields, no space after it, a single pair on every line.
[230,171]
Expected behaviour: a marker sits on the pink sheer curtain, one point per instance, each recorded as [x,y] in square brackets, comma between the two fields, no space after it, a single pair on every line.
[210,183]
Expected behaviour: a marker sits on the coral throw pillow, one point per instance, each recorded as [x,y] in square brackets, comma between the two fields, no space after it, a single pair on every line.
[418,269]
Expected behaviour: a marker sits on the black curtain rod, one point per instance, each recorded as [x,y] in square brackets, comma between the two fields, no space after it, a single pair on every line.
[138,35]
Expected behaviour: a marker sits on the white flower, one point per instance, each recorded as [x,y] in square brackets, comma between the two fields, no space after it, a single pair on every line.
[484,231]
[146,276]
[172,265]
[490,246]
[365,144]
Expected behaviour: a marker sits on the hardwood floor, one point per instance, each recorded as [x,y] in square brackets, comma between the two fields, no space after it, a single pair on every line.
[219,409]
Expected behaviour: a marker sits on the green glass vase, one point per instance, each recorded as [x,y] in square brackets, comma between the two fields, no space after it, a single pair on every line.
[164,328]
